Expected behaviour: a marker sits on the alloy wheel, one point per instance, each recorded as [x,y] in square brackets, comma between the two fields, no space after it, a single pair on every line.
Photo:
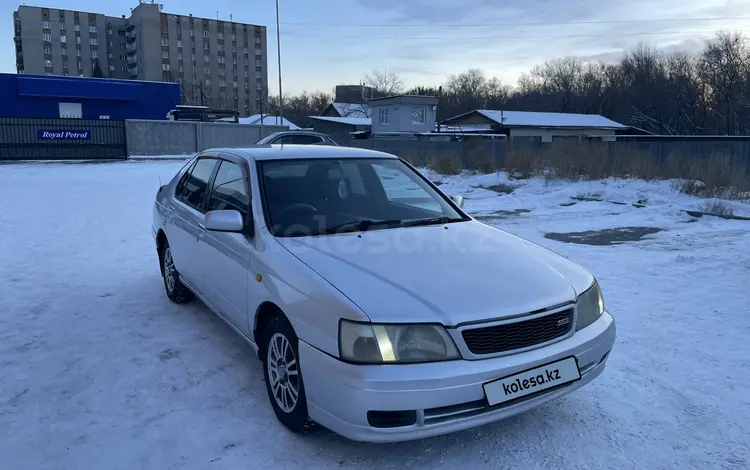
[169,271]
[283,372]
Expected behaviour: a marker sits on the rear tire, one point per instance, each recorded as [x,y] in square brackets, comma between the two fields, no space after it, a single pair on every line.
[283,376]
[176,290]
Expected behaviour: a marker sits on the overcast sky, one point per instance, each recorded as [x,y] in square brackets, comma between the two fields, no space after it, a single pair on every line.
[329,42]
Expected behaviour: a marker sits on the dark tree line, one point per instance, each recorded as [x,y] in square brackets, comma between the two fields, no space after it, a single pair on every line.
[677,93]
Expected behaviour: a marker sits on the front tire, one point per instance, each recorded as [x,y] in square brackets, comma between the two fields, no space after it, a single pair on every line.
[176,290]
[284,384]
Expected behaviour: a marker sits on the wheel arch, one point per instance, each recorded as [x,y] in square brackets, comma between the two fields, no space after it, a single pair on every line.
[264,313]
[161,240]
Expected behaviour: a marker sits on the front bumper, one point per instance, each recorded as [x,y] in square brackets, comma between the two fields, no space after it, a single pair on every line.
[446,396]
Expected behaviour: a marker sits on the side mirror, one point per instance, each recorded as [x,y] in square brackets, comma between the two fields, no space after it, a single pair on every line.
[459,200]
[224,221]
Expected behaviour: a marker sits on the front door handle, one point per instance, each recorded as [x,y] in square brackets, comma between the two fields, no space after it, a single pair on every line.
[201,226]
[201,232]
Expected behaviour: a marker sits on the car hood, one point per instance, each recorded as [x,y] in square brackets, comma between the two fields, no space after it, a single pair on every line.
[450,274]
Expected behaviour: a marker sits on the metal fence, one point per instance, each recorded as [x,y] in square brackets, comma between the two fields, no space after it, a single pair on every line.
[61,139]
[659,151]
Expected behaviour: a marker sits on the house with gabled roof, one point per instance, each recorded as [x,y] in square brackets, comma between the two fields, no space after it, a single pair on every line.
[523,124]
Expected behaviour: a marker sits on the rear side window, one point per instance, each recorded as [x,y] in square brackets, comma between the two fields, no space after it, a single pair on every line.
[306,139]
[195,187]
[229,191]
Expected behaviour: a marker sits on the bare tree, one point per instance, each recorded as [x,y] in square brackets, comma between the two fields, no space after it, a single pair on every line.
[386,82]
[725,64]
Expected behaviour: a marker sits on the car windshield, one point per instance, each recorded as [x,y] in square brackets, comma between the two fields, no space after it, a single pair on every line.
[325,196]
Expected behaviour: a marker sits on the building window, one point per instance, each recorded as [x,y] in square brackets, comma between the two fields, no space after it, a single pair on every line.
[110,56]
[385,115]
[206,71]
[208,82]
[257,40]
[92,29]
[205,34]
[222,71]
[64,52]
[220,48]
[258,86]
[179,43]
[165,54]
[206,59]
[78,39]
[64,39]
[179,56]
[77,27]
[192,32]
[164,30]
[165,67]
[109,31]
[181,69]
[47,37]
[220,36]
[78,52]
[45,24]
[94,54]
[418,115]
[62,26]
[258,63]
[111,68]
[93,41]
[205,47]
[164,42]
[220,59]
[234,84]
[222,83]
[48,63]
[258,51]
[47,50]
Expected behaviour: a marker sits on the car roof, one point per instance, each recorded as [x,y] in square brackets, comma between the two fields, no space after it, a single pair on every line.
[296,131]
[297,151]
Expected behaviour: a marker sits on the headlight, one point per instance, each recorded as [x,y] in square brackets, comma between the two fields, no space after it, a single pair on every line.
[590,306]
[372,343]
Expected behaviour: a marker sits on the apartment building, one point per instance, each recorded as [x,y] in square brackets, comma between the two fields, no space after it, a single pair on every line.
[220,64]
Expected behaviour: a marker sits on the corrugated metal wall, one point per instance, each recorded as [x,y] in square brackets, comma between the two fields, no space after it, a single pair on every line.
[20,139]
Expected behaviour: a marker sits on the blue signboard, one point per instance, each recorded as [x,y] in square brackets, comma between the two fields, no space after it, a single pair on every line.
[45,134]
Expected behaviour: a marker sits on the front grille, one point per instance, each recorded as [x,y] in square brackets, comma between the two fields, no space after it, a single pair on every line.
[521,334]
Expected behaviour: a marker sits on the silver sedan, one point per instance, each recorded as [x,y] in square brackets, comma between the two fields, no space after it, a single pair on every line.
[379,308]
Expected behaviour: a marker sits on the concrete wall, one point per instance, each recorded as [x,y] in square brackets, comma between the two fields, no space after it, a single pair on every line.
[182,138]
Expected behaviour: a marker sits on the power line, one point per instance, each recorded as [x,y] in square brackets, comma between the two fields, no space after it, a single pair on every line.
[479,38]
[530,23]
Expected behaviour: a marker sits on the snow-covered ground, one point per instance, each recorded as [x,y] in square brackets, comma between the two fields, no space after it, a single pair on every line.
[99,370]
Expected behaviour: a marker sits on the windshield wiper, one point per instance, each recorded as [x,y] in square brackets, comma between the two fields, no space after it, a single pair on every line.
[360,226]
[431,221]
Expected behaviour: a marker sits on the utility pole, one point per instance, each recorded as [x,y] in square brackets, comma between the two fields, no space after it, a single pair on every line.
[278,50]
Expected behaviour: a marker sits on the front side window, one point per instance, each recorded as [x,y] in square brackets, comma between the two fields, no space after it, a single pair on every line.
[193,187]
[229,191]
[326,196]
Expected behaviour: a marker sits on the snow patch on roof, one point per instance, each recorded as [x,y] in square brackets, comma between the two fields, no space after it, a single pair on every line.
[352,121]
[268,120]
[523,118]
